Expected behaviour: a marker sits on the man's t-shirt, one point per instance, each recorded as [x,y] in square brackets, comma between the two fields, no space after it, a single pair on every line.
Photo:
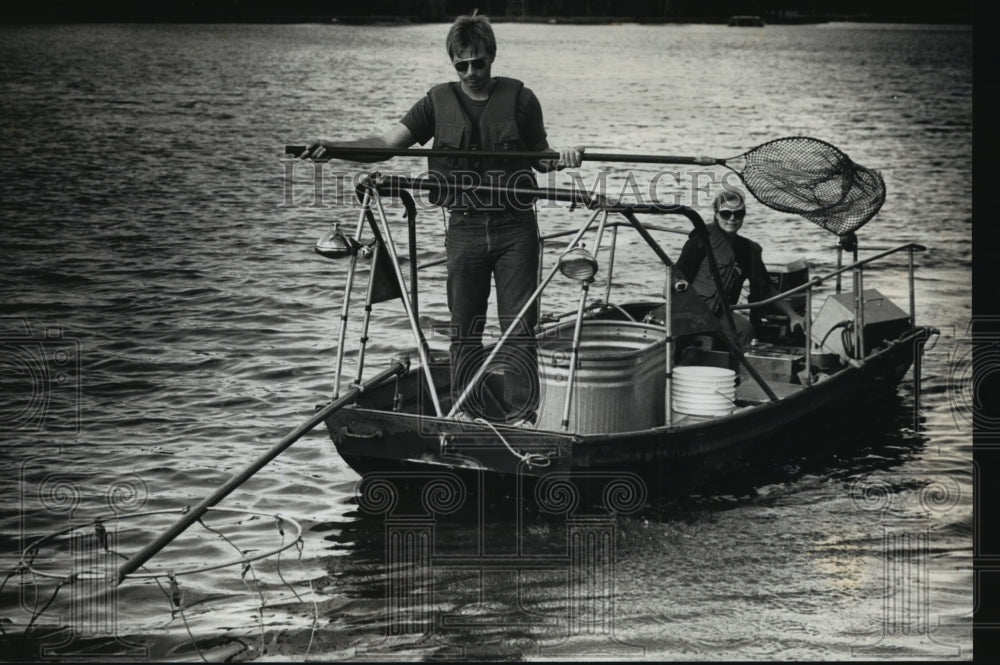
[420,119]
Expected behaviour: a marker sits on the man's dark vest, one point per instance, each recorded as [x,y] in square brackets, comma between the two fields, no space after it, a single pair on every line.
[498,130]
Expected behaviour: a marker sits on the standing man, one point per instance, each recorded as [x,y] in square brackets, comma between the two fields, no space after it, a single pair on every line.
[738,259]
[489,235]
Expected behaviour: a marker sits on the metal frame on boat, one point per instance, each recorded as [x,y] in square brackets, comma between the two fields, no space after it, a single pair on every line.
[410,423]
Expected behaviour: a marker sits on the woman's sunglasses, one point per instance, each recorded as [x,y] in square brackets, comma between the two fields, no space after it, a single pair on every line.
[463,65]
[732,214]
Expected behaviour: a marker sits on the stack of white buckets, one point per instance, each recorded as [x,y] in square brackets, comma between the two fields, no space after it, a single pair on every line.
[703,391]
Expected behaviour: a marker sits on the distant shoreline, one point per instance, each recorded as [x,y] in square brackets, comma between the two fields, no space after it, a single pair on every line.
[391,21]
[613,20]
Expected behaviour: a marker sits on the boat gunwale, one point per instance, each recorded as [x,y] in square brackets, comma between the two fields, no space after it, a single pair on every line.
[753,411]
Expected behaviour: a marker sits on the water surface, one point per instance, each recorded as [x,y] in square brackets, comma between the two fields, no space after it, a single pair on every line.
[155,256]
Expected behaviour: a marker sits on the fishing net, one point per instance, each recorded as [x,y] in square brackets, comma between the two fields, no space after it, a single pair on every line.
[65,583]
[796,174]
[812,178]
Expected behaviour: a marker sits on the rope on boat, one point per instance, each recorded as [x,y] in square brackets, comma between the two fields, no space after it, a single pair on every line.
[531,459]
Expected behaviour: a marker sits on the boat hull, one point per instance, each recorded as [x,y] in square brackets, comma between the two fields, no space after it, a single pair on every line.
[371,437]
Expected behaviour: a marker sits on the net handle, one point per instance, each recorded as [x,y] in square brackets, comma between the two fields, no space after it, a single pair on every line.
[856,207]
[383,153]
[346,153]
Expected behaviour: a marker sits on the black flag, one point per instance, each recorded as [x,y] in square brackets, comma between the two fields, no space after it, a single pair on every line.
[385,285]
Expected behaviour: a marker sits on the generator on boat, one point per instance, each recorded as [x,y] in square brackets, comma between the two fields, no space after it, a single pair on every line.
[835,329]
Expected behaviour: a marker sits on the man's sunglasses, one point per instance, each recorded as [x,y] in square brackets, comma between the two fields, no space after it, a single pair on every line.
[732,214]
[463,65]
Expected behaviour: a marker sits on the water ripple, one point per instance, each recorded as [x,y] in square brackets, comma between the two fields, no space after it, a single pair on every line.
[161,247]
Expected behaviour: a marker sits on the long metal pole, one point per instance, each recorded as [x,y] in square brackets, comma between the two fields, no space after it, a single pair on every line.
[816,281]
[840,263]
[414,325]
[193,515]
[368,315]
[574,354]
[411,231]
[600,235]
[859,297]
[861,313]
[918,355]
[342,335]
[668,327]
[917,360]
[857,311]
[611,263]
[540,271]
[383,153]
[913,299]
[496,347]
[513,325]
[808,334]
[600,238]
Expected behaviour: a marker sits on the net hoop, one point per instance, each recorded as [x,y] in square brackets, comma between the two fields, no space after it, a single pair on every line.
[813,178]
[27,558]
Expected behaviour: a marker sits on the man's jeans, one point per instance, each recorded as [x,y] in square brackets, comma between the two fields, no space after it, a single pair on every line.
[504,245]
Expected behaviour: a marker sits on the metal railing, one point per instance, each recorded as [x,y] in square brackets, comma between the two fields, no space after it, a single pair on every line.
[601,207]
[857,269]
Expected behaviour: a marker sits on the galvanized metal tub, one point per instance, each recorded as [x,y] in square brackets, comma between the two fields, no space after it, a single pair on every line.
[619,381]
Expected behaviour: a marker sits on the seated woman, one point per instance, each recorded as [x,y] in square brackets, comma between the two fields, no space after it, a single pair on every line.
[738,259]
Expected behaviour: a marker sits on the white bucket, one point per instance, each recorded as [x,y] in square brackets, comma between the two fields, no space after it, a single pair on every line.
[703,391]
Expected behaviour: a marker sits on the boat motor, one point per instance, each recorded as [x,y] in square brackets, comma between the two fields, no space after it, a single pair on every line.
[771,325]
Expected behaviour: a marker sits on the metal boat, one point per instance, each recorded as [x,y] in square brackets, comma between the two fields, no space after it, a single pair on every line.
[612,396]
